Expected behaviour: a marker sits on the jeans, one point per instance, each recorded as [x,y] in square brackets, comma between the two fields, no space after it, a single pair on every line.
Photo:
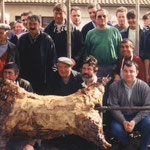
[117,130]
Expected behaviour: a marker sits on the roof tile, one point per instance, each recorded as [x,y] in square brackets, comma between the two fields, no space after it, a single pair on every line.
[102,2]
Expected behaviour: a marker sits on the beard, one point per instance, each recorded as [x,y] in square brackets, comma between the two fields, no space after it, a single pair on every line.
[86,77]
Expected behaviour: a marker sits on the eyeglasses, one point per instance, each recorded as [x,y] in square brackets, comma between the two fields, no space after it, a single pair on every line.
[100,16]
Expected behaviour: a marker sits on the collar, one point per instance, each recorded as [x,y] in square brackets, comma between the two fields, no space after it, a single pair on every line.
[127,85]
[32,40]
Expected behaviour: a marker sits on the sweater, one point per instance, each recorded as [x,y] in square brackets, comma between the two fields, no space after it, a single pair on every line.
[104,45]
[118,98]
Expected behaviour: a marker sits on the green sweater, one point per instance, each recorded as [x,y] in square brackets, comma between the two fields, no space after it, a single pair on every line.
[104,45]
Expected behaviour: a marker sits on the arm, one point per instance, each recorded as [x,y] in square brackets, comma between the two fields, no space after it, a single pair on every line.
[113,100]
[144,95]
[77,45]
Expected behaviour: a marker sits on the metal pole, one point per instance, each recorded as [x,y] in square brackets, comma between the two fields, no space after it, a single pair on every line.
[68,29]
[137,26]
[2,11]
[105,108]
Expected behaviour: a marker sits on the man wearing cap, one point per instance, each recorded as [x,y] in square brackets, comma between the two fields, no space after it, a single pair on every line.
[65,81]
[8,51]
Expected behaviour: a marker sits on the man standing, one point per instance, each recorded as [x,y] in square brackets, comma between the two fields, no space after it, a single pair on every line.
[129,92]
[8,51]
[121,18]
[146,19]
[92,8]
[24,17]
[130,32]
[103,43]
[57,29]
[76,17]
[37,55]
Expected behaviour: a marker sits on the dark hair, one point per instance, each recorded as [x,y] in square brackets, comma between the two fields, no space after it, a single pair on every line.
[91,61]
[12,25]
[94,5]
[145,16]
[131,14]
[126,40]
[34,17]
[102,9]
[60,6]
[130,63]
[121,9]
[26,13]
[11,65]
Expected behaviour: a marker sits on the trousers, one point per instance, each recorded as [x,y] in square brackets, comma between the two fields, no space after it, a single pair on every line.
[118,131]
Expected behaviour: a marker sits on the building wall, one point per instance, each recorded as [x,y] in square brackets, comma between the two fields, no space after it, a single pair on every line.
[47,10]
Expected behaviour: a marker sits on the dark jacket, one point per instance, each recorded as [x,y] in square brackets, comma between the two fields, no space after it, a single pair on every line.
[89,26]
[60,40]
[13,37]
[146,49]
[58,87]
[45,51]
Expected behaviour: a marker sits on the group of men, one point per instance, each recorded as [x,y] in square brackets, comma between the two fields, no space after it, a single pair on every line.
[96,49]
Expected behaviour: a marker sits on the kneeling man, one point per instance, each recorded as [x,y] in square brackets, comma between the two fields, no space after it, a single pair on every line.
[130,91]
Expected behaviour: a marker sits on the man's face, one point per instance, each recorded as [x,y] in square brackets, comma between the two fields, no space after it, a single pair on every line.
[24,21]
[18,28]
[64,70]
[87,72]
[130,73]
[3,36]
[101,19]
[33,26]
[92,13]
[126,50]
[147,21]
[59,17]
[121,17]
[76,17]
[132,23]
[10,74]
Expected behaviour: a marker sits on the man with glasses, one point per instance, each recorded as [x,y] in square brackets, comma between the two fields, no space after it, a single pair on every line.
[103,43]
[92,8]
[24,17]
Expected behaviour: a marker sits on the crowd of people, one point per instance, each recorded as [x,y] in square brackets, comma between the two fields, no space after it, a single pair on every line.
[36,59]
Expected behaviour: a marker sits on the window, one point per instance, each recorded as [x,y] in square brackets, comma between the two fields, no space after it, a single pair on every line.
[46,21]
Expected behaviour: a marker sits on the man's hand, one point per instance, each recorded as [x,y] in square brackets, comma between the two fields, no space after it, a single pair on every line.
[126,125]
[129,126]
